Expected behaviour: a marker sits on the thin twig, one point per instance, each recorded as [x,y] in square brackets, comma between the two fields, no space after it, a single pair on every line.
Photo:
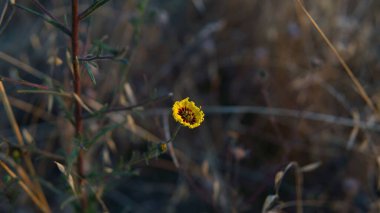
[344,121]
[48,92]
[36,151]
[98,57]
[281,112]
[294,203]
[44,10]
[299,183]
[132,107]
[60,26]
[23,82]
[23,66]
[30,108]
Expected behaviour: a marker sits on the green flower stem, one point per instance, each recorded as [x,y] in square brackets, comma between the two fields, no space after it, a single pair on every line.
[174,135]
[156,154]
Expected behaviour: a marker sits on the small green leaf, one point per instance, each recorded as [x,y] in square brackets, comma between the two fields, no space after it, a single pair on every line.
[92,8]
[141,6]
[89,68]
[123,61]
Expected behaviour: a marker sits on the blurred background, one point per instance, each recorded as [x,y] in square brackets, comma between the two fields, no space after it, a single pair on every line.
[272,90]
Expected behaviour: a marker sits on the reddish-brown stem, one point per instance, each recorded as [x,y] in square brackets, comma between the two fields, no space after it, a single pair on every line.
[78,106]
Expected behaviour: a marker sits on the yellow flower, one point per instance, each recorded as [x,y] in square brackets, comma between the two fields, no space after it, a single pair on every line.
[186,113]
[164,147]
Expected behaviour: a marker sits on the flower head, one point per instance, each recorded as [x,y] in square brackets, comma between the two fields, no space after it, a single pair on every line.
[186,113]
[164,147]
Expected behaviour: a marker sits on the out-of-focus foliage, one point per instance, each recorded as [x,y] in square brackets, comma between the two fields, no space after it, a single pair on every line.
[273,93]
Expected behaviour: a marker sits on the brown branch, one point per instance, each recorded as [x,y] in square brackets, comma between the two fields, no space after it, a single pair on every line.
[78,106]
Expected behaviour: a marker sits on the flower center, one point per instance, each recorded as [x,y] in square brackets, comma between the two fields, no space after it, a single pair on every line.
[187,115]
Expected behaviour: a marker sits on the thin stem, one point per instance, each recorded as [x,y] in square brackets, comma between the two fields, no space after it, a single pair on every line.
[49,92]
[44,10]
[6,22]
[310,203]
[129,108]
[131,163]
[4,10]
[78,106]
[60,26]
[299,182]
[23,82]
[99,57]
[37,151]
[174,135]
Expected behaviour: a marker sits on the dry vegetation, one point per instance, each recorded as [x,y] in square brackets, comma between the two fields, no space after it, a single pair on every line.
[291,123]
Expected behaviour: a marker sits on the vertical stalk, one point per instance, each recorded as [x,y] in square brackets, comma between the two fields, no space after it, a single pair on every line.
[299,182]
[77,91]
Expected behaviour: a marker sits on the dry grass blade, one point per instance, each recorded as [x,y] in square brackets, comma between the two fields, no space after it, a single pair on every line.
[23,82]
[23,179]
[23,66]
[6,22]
[49,92]
[269,201]
[355,131]
[4,10]
[25,188]
[80,101]
[30,108]
[311,203]
[311,167]
[348,70]
[8,109]
[69,177]
[9,112]
[299,183]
